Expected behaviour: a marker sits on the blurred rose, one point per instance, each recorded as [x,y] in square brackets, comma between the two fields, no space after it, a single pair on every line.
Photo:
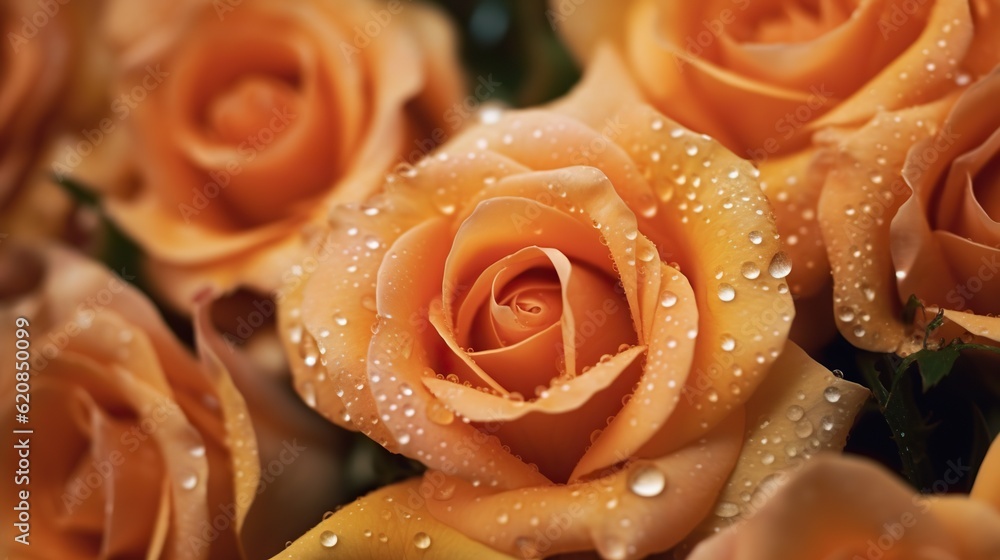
[565,316]
[841,507]
[51,84]
[294,493]
[136,443]
[764,76]
[927,225]
[253,118]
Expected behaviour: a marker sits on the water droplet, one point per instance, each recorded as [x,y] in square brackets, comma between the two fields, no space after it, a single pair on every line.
[868,292]
[613,548]
[197,451]
[340,320]
[804,428]
[727,510]
[831,394]
[845,314]
[645,253]
[795,413]
[726,292]
[372,242]
[647,481]
[780,265]
[328,539]
[308,393]
[422,540]
[755,237]
[728,343]
[767,459]
[733,173]
[189,482]
[750,270]
[668,299]
[440,414]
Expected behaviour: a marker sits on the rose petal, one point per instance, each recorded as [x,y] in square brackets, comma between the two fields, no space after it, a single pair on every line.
[568,395]
[973,525]
[737,272]
[801,409]
[387,523]
[929,64]
[667,367]
[398,360]
[645,506]
[850,502]
[987,486]
[862,192]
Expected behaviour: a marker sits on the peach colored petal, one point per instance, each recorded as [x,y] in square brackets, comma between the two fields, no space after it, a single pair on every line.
[343,349]
[793,184]
[239,436]
[398,360]
[389,523]
[973,525]
[979,325]
[569,395]
[802,64]
[987,486]
[715,222]
[662,499]
[472,372]
[128,372]
[927,65]
[850,503]
[863,194]
[591,101]
[800,410]
[667,367]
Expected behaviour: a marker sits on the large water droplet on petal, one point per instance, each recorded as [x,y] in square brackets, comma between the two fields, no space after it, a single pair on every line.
[726,292]
[780,265]
[328,539]
[422,541]
[647,481]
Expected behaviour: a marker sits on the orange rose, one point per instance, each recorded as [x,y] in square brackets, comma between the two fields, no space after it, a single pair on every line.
[764,77]
[252,119]
[921,221]
[566,317]
[117,409]
[50,76]
[842,507]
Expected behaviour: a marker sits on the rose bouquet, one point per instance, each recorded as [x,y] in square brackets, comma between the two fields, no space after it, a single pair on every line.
[578,279]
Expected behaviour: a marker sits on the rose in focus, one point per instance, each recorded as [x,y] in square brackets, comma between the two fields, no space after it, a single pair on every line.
[568,315]
[763,77]
[251,121]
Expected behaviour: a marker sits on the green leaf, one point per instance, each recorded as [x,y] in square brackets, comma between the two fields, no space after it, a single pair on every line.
[910,310]
[934,365]
[933,325]
[901,413]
